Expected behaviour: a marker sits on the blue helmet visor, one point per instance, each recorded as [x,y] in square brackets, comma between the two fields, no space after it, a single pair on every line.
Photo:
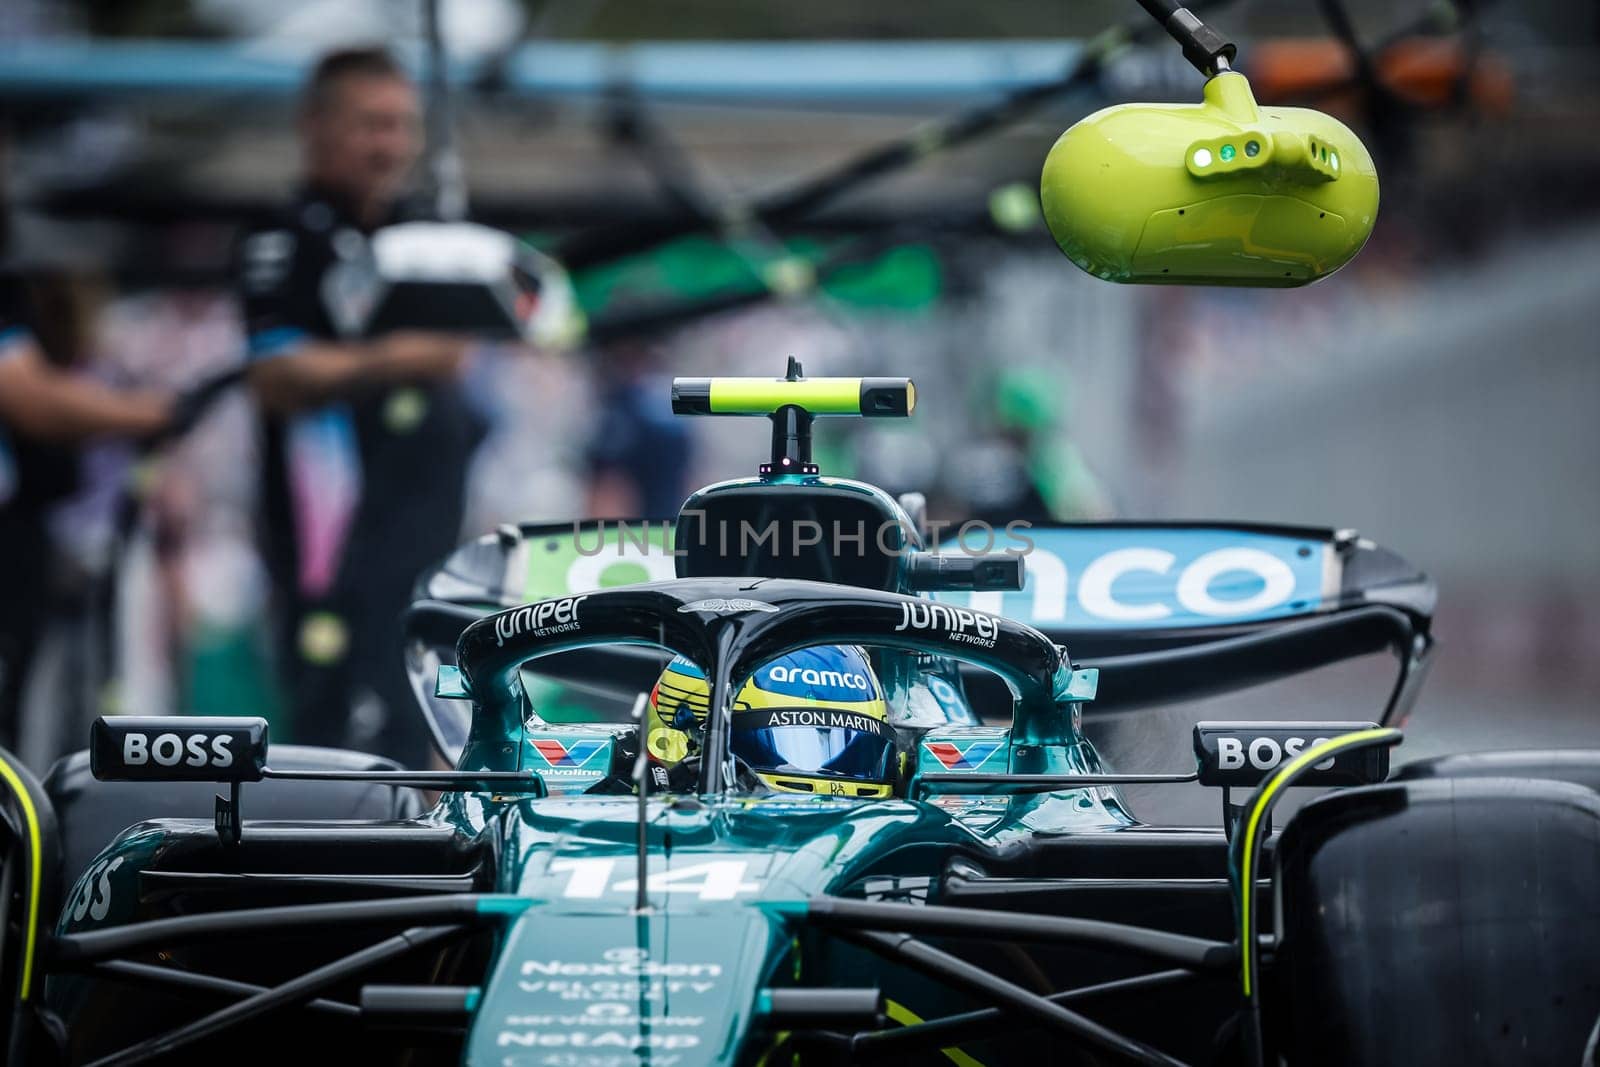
[815,741]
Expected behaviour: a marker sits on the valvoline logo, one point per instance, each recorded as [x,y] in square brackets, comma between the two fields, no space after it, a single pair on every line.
[567,753]
[967,757]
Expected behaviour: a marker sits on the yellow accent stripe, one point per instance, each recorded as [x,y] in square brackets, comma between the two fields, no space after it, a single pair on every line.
[906,1017]
[757,396]
[35,872]
[777,1042]
[752,698]
[1263,801]
[853,790]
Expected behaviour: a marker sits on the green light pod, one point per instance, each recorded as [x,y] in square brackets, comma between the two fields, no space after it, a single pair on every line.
[1219,193]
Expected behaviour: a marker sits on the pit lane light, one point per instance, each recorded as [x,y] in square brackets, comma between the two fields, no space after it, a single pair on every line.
[1220,193]
[454,276]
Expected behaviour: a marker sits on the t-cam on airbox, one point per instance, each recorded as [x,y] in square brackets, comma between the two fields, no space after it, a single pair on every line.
[1219,193]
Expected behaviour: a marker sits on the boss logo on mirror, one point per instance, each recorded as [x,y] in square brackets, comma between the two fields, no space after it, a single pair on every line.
[1264,753]
[1246,753]
[169,750]
[200,749]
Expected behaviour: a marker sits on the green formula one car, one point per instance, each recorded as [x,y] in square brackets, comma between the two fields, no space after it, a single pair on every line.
[799,806]
[791,780]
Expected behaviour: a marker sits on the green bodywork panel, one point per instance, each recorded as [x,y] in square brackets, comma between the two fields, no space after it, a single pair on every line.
[580,972]
[583,972]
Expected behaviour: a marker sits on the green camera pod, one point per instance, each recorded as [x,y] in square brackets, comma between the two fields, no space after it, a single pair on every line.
[1220,193]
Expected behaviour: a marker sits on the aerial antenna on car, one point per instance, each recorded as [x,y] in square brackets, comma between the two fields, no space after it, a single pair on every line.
[792,403]
[641,781]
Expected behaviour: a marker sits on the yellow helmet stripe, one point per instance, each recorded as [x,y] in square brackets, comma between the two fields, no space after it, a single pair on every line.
[824,787]
[752,698]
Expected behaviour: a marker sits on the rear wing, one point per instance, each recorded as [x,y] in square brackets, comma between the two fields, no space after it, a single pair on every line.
[1177,611]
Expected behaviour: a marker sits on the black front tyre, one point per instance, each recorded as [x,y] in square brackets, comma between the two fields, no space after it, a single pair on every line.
[30,895]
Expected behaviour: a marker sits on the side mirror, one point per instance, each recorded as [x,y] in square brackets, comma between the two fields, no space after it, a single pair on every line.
[441,694]
[177,749]
[1243,754]
[1219,193]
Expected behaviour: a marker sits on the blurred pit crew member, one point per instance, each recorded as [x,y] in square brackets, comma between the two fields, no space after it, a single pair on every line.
[639,458]
[46,412]
[367,443]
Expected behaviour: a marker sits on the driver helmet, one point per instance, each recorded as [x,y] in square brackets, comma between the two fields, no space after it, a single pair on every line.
[812,721]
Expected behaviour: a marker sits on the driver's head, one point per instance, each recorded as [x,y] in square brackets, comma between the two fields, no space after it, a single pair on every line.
[813,721]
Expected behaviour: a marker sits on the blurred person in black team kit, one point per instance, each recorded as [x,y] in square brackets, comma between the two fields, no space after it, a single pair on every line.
[367,442]
[46,412]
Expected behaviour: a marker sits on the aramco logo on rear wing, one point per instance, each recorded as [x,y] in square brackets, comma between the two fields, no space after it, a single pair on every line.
[1133,578]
